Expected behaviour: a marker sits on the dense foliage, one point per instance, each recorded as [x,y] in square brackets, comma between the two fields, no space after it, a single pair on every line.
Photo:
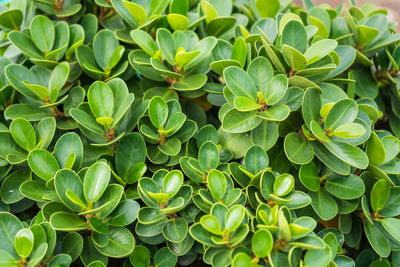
[192,132]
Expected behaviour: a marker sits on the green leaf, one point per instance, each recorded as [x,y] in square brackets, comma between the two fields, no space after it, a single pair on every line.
[43,164]
[182,58]
[283,184]
[377,240]
[60,260]
[296,60]
[178,21]
[106,50]
[58,77]
[175,230]
[95,181]
[375,150]
[145,41]
[261,72]
[276,89]
[320,49]
[65,221]
[164,257]
[294,36]
[275,113]
[140,256]
[120,243]
[344,111]
[239,51]
[348,153]
[69,180]
[323,204]
[211,224]
[43,33]
[240,82]
[158,111]
[7,260]
[10,192]
[11,18]
[167,45]
[366,34]
[172,182]
[24,242]
[392,226]
[379,194]
[262,243]
[125,213]
[256,160]
[217,184]
[38,255]
[350,187]
[171,147]
[318,132]
[208,156]
[311,106]
[72,245]
[190,83]
[297,149]
[130,152]
[243,103]
[309,176]
[234,217]
[239,122]
[349,130]
[23,133]
[101,101]
[69,143]
[268,8]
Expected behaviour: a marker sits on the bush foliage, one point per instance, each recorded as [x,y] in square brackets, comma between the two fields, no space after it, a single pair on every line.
[184,132]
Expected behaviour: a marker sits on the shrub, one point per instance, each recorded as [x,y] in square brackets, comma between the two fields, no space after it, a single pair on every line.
[184,132]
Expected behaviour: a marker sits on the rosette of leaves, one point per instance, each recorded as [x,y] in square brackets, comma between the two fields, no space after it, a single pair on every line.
[209,155]
[335,193]
[278,190]
[382,149]
[281,239]
[29,245]
[42,93]
[180,59]
[67,154]
[267,9]
[99,118]
[223,228]
[226,54]
[180,17]
[370,32]
[46,43]
[220,190]
[94,204]
[255,163]
[140,14]
[105,59]
[14,17]
[166,128]
[59,8]
[306,64]
[332,133]
[219,20]
[253,96]
[132,147]
[379,217]
[22,138]
[164,217]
